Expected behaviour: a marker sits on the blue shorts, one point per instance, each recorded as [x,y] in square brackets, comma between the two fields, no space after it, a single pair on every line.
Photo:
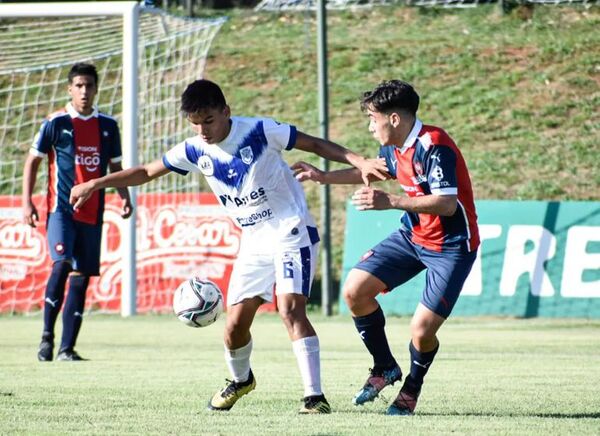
[397,259]
[75,242]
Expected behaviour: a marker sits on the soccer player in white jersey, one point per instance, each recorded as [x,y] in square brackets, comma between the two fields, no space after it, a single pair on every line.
[241,160]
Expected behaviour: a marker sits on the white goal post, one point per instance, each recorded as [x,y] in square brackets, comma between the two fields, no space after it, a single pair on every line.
[130,12]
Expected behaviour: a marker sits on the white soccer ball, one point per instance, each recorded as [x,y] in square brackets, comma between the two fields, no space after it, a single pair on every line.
[198,302]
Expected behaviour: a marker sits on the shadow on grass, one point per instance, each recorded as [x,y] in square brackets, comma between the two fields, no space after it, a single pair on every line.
[572,415]
[592,415]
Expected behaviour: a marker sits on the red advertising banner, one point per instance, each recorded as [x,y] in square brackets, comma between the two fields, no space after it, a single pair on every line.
[178,236]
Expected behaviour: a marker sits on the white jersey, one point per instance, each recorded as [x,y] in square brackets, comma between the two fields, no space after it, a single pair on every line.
[252,181]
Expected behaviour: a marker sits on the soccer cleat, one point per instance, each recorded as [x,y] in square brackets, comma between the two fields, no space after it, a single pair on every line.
[405,403]
[227,397]
[378,380]
[315,404]
[69,356]
[46,350]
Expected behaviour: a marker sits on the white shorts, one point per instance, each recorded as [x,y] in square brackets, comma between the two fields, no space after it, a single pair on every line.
[288,272]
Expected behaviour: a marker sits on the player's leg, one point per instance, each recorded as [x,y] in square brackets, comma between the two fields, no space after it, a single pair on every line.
[238,348]
[250,285]
[60,243]
[86,254]
[73,317]
[295,271]
[423,347]
[389,264]
[446,274]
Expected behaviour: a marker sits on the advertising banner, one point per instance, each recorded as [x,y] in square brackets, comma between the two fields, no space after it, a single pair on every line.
[178,236]
[536,259]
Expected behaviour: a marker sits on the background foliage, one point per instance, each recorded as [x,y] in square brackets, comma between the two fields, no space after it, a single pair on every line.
[520,97]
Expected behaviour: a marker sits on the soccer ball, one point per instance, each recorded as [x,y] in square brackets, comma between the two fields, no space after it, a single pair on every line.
[198,302]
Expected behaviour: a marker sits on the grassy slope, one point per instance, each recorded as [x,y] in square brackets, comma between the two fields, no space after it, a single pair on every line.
[520,98]
[153,375]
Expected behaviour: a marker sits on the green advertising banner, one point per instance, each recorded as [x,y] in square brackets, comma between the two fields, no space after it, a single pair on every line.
[536,259]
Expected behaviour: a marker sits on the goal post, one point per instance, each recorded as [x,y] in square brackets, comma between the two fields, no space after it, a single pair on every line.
[145,44]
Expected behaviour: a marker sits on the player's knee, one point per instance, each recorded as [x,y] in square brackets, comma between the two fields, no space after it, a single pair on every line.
[62,267]
[352,297]
[291,315]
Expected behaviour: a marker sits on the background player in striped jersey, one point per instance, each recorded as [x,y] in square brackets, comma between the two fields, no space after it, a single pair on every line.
[438,233]
[242,163]
[80,143]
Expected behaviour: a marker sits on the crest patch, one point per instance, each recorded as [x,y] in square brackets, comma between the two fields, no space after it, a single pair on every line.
[247,155]
[206,165]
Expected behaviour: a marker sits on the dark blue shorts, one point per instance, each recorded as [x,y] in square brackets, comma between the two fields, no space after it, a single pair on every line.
[397,259]
[77,243]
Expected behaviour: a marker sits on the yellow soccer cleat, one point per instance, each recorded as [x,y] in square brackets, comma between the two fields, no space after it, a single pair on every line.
[315,404]
[227,397]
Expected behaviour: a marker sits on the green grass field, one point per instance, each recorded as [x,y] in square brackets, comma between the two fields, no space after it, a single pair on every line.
[153,375]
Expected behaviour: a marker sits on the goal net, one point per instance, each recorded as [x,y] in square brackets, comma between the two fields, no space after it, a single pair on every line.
[36,55]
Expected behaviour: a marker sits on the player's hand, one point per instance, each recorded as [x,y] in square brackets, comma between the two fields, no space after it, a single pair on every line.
[373,169]
[304,171]
[127,208]
[371,199]
[30,214]
[80,194]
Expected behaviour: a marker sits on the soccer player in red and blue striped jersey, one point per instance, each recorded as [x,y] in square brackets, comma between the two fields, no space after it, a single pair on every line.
[438,233]
[80,144]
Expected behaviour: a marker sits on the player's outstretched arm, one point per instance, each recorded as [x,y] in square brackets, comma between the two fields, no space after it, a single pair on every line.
[370,169]
[305,171]
[130,177]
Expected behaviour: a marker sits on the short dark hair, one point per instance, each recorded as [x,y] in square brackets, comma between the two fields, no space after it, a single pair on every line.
[200,95]
[83,69]
[391,95]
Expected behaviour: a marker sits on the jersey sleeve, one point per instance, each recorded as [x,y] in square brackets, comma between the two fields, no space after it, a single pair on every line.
[279,135]
[182,158]
[116,152]
[387,152]
[44,139]
[441,174]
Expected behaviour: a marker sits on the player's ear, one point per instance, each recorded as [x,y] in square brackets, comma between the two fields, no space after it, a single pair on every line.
[227,111]
[395,119]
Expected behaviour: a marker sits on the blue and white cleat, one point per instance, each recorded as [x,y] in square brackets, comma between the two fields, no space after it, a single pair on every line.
[377,380]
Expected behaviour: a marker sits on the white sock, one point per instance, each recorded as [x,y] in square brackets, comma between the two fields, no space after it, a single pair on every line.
[307,355]
[238,362]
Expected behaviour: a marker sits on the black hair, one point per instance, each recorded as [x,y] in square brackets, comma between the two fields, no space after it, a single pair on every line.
[200,95]
[83,69]
[391,95]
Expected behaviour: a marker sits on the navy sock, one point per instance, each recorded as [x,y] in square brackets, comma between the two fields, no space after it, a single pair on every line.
[371,329]
[419,365]
[53,299]
[73,311]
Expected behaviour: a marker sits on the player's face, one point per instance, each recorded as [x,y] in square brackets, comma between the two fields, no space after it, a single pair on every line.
[83,91]
[212,125]
[380,127]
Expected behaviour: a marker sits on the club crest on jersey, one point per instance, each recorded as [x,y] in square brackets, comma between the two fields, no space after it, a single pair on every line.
[247,155]
[206,165]
[418,168]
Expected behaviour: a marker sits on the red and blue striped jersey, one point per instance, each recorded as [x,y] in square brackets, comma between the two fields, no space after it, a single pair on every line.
[430,163]
[79,148]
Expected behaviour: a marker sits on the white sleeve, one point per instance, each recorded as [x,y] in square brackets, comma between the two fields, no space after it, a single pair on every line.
[279,135]
[182,158]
